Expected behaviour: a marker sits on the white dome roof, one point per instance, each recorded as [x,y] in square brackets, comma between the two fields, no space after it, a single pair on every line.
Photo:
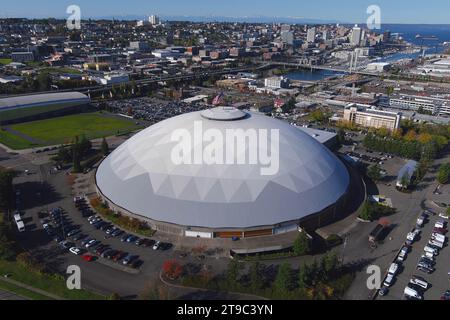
[141,177]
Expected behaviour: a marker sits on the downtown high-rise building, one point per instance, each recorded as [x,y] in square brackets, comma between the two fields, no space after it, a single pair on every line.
[154,20]
[311,35]
[355,38]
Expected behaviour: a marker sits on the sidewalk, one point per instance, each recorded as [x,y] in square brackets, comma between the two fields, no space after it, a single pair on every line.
[24,286]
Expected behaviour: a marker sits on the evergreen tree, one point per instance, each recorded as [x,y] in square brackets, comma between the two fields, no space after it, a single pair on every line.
[284,279]
[105,147]
[256,277]
[302,245]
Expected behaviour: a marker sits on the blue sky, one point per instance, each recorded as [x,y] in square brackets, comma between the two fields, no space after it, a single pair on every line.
[393,11]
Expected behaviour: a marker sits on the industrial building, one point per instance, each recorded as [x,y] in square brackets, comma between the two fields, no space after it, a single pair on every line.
[40,106]
[433,105]
[226,200]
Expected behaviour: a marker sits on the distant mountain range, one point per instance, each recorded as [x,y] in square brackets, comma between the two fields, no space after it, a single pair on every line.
[252,19]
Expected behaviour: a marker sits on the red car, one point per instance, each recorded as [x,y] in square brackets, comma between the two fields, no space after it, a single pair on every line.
[88,258]
[440,231]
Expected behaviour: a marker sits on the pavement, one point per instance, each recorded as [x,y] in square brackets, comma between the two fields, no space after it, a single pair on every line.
[409,207]
[6,295]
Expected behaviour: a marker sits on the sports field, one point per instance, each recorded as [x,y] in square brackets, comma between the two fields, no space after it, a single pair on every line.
[64,129]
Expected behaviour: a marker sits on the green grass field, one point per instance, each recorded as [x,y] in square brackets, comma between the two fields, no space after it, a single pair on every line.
[5,61]
[52,284]
[63,130]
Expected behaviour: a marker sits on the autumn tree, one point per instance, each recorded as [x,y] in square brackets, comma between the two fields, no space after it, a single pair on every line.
[172,269]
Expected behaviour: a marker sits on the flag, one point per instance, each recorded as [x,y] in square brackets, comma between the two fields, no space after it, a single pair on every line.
[218,100]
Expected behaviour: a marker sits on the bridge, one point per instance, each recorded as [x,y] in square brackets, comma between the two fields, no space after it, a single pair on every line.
[316,67]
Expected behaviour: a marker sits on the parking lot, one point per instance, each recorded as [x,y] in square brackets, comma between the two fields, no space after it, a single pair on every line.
[41,190]
[438,280]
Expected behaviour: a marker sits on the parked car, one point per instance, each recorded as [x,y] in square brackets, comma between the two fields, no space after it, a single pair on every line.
[440,231]
[73,233]
[446,296]
[440,224]
[88,258]
[79,237]
[76,251]
[427,270]
[438,237]
[444,216]
[125,237]
[132,239]
[67,245]
[431,250]
[117,233]
[109,254]
[136,264]
[157,245]
[436,244]
[140,242]
[148,243]
[119,256]
[419,281]
[383,291]
[111,230]
[92,243]
[129,259]
[389,281]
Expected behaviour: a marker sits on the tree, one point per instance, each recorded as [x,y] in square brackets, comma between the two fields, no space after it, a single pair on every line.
[366,212]
[289,106]
[405,181]
[85,146]
[232,273]
[43,81]
[172,269]
[341,136]
[105,147]
[6,188]
[302,245]
[304,277]
[374,173]
[256,277]
[284,280]
[329,265]
[63,155]
[114,296]
[76,157]
[444,174]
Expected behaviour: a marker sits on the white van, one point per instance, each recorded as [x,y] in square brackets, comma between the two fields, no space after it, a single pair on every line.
[17,218]
[438,237]
[393,269]
[436,243]
[411,293]
[21,226]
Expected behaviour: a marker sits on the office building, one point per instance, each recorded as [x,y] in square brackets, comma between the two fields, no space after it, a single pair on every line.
[369,117]
[311,35]
[355,38]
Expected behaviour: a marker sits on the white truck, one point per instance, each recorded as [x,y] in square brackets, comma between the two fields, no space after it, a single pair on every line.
[411,293]
[20,226]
